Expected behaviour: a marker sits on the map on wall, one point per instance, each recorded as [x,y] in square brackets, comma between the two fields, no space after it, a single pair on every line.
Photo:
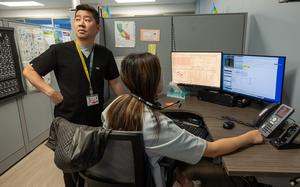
[32,43]
[124,33]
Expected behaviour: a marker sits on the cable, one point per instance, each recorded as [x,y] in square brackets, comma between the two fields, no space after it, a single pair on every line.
[237,121]
[214,117]
[245,180]
[229,118]
[294,181]
[292,120]
[232,181]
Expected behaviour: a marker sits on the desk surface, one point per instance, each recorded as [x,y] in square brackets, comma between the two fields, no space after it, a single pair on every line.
[258,160]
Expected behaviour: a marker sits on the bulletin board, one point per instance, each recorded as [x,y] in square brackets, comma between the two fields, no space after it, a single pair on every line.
[161,46]
[10,74]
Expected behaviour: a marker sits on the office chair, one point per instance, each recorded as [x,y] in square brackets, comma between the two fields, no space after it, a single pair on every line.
[124,163]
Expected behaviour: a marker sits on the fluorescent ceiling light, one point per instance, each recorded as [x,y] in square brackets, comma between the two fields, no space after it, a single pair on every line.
[21,3]
[134,1]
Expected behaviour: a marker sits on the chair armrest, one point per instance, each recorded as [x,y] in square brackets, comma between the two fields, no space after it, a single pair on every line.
[169,166]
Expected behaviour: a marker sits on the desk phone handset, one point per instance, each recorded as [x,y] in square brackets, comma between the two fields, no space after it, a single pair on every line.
[273,119]
[264,114]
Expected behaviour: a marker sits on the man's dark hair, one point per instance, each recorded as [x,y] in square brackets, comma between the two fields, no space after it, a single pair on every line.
[89,8]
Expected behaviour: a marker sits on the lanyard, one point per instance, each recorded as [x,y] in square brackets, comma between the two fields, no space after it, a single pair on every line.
[87,73]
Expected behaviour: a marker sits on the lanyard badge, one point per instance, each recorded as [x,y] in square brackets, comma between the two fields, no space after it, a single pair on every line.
[91,99]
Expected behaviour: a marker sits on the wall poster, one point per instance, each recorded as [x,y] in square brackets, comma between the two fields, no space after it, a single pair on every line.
[32,43]
[66,36]
[124,33]
[49,36]
[150,35]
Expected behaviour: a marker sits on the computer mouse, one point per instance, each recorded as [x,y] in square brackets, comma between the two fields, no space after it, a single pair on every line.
[228,125]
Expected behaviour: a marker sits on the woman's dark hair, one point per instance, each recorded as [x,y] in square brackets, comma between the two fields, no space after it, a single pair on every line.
[141,74]
[90,9]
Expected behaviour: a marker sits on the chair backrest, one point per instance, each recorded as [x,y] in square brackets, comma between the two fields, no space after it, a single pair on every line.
[123,164]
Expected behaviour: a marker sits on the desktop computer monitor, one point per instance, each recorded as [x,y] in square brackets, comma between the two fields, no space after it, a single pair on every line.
[258,77]
[201,69]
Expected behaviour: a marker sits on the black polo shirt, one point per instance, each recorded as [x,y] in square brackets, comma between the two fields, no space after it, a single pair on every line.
[73,83]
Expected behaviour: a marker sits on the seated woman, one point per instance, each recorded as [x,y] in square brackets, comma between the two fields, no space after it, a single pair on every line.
[141,73]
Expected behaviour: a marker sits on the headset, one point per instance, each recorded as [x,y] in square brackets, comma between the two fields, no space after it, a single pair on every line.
[156,106]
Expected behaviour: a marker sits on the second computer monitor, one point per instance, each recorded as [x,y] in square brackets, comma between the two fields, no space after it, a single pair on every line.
[201,69]
[259,77]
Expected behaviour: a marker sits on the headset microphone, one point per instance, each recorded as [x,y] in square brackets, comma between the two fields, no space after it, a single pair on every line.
[175,103]
[155,106]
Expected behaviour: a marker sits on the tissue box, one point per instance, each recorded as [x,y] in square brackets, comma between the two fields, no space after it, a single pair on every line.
[179,95]
[174,91]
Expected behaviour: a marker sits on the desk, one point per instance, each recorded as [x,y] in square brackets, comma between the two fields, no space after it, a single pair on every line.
[258,160]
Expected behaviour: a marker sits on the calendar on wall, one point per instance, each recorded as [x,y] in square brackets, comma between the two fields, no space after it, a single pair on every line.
[10,75]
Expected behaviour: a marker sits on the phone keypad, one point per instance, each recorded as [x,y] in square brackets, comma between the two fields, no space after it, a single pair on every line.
[275,120]
[267,127]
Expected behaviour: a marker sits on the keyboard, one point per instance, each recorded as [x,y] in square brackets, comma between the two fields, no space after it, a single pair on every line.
[190,122]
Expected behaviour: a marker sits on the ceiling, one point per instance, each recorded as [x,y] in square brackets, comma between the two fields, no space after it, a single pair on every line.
[66,4]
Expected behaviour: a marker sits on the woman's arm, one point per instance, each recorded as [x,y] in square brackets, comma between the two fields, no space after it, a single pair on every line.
[227,145]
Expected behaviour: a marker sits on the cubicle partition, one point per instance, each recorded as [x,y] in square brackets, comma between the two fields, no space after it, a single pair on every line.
[216,32]
[25,120]
[222,32]
[163,47]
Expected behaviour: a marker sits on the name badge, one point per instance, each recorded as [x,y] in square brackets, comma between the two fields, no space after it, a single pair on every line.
[92,100]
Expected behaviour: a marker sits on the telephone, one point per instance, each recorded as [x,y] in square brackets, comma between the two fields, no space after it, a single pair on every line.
[273,119]
[264,114]
[272,124]
[285,140]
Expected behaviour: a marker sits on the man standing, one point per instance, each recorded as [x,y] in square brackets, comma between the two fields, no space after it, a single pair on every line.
[80,68]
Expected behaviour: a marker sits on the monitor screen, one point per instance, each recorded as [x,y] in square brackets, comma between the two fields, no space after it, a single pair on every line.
[259,77]
[197,68]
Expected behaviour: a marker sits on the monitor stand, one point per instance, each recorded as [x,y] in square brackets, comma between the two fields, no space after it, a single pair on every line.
[217,97]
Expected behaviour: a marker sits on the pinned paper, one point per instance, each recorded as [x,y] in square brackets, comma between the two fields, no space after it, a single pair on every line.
[152,48]
[124,33]
[150,35]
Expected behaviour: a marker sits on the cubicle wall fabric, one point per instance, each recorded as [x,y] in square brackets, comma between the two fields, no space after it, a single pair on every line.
[162,47]
[222,32]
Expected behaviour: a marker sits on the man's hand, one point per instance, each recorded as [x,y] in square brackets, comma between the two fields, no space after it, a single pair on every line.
[56,97]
